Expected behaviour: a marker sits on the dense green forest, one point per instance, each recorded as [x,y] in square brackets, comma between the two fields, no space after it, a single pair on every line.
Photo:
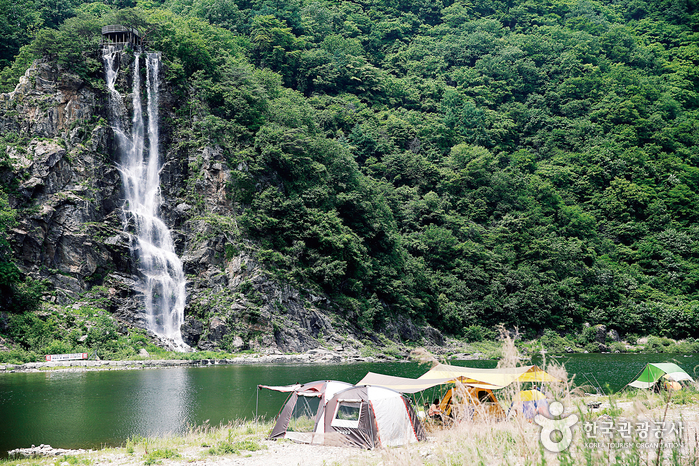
[465,163]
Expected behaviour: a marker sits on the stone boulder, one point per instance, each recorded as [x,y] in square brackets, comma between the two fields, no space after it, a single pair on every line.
[192,329]
[601,337]
[434,336]
[614,335]
[217,330]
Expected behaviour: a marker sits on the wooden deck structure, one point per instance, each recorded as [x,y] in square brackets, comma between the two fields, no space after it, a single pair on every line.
[119,35]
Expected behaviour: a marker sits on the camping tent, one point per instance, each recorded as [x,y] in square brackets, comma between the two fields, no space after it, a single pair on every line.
[487,378]
[370,417]
[654,371]
[323,390]
[474,402]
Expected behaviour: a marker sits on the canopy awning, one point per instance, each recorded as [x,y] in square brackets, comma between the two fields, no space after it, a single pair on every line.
[441,374]
[654,371]
[281,388]
[311,389]
[407,385]
[488,378]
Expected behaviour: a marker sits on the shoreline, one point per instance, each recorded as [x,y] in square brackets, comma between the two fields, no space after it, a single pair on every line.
[311,357]
[246,443]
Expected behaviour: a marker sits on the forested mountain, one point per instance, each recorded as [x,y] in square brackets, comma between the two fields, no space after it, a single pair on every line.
[460,163]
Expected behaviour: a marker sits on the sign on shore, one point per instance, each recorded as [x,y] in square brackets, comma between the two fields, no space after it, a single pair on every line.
[65,357]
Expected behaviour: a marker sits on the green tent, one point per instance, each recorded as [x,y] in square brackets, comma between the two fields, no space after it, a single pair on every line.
[654,371]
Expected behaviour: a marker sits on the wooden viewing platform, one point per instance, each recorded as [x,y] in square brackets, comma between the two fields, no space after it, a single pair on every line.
[116,34]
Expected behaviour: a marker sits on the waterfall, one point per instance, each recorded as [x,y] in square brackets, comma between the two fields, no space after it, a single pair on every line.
[162,277]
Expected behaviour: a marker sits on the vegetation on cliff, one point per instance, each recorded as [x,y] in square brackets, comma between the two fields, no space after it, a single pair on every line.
[461,163]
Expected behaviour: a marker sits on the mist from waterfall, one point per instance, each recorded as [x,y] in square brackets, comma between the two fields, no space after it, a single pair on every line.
[162,277]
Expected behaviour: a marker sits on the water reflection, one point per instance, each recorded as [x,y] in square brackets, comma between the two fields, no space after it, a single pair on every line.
[93,409]
[159,403]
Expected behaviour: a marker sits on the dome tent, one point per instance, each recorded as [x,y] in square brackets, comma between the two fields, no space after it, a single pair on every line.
[366,417]
[323,390]
[371,417]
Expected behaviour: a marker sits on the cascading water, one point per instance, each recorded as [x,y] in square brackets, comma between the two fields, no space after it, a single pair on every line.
[163,280]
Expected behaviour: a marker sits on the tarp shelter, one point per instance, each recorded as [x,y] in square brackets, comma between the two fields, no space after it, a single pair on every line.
[487,378]
[655,371]
[324,390]
[371,417]
[400,384]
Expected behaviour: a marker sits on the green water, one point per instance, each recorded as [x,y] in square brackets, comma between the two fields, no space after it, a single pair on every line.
[93,409]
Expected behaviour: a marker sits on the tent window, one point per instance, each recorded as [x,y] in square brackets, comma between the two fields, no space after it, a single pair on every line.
[304,414]
[347,414]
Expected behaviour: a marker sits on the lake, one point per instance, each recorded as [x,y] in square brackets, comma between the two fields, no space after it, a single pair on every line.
[94,409]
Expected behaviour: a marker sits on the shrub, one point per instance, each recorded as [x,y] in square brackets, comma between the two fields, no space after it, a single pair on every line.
[587,336]
[617,347]
[553,342]
[478,333]
[658,344]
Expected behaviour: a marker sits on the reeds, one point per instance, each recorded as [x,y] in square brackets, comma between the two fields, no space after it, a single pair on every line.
[483,439]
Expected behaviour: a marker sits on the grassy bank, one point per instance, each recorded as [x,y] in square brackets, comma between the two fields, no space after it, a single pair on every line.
[482,441]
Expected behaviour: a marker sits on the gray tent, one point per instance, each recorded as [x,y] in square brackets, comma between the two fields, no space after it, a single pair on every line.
[323,390]
[371,417]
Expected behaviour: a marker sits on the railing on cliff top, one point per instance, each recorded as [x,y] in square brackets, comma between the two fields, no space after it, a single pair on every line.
[119,35]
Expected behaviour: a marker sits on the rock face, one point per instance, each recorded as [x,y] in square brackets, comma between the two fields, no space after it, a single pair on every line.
[71,231]
[68,188]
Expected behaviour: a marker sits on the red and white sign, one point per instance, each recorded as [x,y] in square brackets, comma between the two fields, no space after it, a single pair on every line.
[65,357]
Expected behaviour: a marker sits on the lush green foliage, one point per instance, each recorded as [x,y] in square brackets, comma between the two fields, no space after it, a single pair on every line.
[17,293]
[86,330]
[463,163]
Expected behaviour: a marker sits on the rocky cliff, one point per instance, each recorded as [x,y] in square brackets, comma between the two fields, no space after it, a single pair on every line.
[71,232]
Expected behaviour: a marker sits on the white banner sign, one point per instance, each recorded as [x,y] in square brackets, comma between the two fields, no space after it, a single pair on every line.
[65,357]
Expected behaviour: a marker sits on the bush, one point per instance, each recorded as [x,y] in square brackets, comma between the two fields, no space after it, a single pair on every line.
[553,342]
[658,344]
[587,337]
[687,347]
[618,347]
[478,333]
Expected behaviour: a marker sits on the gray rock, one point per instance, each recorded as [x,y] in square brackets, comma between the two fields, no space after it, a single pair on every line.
[191,331]
[614,335]
[217,330]
[434,336]
[238,343]
[601,334]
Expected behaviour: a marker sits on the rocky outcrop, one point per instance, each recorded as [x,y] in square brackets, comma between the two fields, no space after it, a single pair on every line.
[71,232]
[68,189]
[43,450]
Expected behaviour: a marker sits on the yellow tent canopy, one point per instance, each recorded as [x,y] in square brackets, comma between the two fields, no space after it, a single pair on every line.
[487,378]
[407,385]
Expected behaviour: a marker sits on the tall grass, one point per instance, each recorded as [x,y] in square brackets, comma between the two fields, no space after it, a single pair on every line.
[485,440]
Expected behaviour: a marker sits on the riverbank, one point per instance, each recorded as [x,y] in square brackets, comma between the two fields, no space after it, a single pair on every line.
[336,355]
[597,438]
[316,356]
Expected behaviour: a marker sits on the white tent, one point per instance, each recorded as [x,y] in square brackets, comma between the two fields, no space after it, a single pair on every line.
[371,417]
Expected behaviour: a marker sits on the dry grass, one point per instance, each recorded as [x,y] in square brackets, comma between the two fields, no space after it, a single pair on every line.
[516,441]
[423,357]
